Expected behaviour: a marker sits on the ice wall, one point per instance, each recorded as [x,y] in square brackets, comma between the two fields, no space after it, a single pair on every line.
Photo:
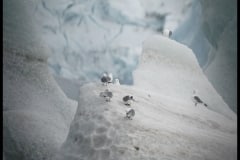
[86,38]
[166,125]
[20,32]
[90,37]
[211,32]
[36,113]
[190,33]
[220,28]
[175,72]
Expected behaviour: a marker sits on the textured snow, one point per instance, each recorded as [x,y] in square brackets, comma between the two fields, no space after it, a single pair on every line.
[38,118]
[21,30]
[167,125]
[36,112]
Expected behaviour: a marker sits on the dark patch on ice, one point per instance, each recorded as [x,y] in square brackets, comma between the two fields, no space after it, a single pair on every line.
[70,17]
[137,148]
[78,139]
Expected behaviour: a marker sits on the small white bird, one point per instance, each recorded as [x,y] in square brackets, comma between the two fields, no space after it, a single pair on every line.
[167,33]
[116,81]
[110,76]
[104,75]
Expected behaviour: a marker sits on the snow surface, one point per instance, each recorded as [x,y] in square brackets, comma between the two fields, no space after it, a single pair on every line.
[167,125]
[69,86]
[175,65]
[36,112]
[89,37]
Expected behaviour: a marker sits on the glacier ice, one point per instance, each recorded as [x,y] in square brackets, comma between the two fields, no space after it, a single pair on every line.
[166,125]
[213,38]
[36,112]
[38,118]
[90,37]
[111,33]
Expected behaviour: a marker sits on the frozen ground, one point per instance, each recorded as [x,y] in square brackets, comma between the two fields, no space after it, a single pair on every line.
[167,125]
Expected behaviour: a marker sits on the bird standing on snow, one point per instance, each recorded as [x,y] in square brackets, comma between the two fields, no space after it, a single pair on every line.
[106,78]
[197,100]
[107,95]
[127,100]
[130,113]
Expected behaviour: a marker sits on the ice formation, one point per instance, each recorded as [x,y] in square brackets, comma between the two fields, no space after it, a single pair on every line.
[111,33]
[90,37]
[40,122]
[36,112]
[213,38]
[166,125]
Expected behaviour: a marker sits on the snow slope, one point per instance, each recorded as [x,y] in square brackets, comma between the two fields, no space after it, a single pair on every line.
[69,86]
[163,67]
[211,32]
[167,125]
[36,112]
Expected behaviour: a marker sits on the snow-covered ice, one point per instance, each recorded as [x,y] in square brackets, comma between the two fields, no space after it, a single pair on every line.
[210,30]
[175,65]
[36,112]
[41,122]
[90,37]
[166,125]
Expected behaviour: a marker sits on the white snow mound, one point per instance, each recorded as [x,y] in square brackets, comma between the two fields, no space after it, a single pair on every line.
[171,69]
[166,125]
[36,113]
